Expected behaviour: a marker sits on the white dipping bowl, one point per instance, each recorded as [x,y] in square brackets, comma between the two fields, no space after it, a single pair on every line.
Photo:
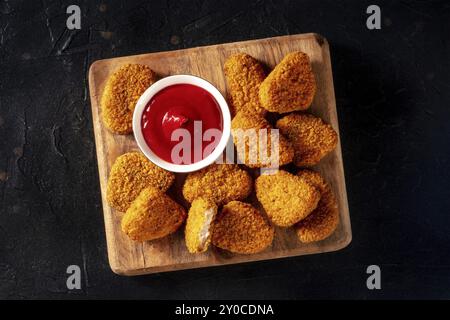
[145,99]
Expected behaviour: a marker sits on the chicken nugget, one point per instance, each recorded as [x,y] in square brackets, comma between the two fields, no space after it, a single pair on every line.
[322,222]
[199,224]
[130,174]
[244,74]
[290,86]
[221,183]
[240,228]
[253,151]
[285,197]
[310,136]
[152,215]
[121,93]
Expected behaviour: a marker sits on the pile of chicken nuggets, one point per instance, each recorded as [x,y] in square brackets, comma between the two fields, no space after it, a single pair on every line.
[294,196]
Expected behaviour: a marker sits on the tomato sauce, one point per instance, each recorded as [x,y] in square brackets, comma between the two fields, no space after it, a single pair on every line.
[180,106]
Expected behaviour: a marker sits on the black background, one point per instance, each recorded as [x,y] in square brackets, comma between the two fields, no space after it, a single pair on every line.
[392,89]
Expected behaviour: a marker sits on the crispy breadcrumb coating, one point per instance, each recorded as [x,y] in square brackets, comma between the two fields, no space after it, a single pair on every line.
[199,224]
[285,197]
[130,174]
[322,222]
[152,215]
[290,86]
[310,136]
[121,93]
[221,183]
[244,74]
[249,151]
[240,228]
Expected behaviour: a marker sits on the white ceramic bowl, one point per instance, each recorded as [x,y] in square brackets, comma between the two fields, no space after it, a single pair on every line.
[158,86]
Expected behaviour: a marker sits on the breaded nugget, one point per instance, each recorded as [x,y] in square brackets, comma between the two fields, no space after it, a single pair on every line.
[121,93]
[286,198]
[130,174]
[244,74]
[322,222]
[152,215]
[197,234]
[290,86]
[247,142]
[221,183]
[310,136]
[240,228]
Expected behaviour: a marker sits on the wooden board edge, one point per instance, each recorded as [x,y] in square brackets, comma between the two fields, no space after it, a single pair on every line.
[346,215]
[319,38]
[342,244]
[110,238]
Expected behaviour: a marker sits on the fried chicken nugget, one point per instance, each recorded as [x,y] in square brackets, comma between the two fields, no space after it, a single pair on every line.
[121,93]
[310,136]
[290,86]
[197,234]
[244,74]
[248,144]
[322,222]
[240,228]
[152,215]
[286,198]
[221,183]
[130,174]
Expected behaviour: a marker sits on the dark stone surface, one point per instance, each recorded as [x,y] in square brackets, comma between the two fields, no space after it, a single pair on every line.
[392,88]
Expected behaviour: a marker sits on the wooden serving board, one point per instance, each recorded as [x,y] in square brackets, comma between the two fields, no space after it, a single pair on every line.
[132,258]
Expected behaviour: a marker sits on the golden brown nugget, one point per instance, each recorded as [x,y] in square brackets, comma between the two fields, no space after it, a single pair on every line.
[286,198]
[244,74]
[121,93]
[221,183]
[249,148]
[130,174]
[152,215]
[322,222]
[290,86]
[198,232]
[240,228]
[310,136]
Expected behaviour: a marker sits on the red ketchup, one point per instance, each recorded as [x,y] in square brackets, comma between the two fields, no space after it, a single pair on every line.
[187,107]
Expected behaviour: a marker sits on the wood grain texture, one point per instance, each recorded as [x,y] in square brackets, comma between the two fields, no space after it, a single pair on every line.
[131,258]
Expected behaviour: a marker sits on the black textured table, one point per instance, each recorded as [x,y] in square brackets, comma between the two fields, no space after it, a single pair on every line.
[392,89]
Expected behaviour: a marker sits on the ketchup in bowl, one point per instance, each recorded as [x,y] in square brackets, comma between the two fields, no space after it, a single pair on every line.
[182,123]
